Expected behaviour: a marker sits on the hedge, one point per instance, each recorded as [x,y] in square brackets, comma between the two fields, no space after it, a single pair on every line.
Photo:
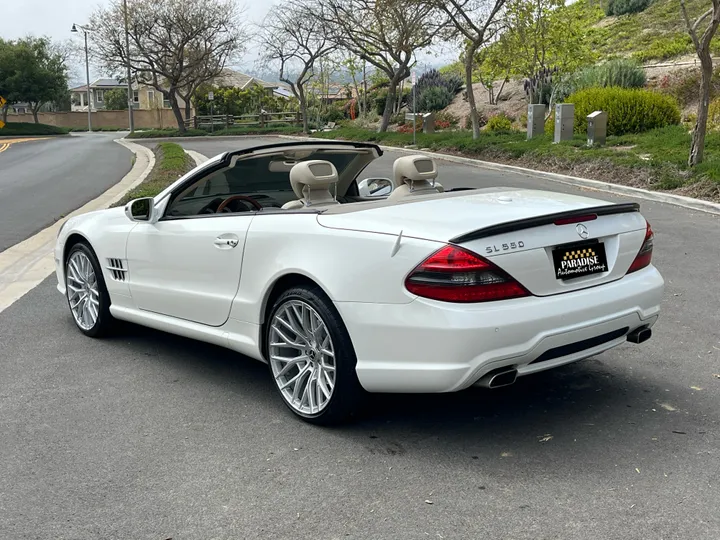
[629,110]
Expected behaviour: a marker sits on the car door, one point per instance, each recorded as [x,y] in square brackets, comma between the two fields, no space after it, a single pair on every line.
[188,268]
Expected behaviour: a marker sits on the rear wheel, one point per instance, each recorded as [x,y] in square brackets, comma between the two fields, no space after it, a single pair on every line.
[86,293]
[311,357]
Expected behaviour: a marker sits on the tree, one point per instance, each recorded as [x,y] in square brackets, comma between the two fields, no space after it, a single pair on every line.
[356,67]
[175,45]
[473,21]
[540,34]
[292,38]
[702,48]
[31,71]
[385,33]
[116,99]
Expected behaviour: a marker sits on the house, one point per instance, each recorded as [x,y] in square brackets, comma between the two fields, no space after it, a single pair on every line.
[235,79]
[332,92]
[144,97]
[78,95]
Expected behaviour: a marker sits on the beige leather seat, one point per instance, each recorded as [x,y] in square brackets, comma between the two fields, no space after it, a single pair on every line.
[414,175]
[311,181]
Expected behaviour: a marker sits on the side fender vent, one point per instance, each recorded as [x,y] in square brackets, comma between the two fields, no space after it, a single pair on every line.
[117,269]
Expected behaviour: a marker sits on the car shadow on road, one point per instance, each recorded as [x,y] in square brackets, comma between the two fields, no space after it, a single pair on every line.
[597,407]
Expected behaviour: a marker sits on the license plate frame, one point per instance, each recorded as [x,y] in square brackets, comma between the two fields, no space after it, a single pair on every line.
[591,257]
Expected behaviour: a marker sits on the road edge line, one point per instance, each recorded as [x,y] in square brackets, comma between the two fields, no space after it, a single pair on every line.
[26,264]
[597,185]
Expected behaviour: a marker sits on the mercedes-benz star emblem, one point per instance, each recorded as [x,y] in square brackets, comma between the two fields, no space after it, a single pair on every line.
[582,231]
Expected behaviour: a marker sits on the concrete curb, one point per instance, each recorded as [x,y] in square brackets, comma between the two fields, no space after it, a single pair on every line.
[26,264]
[597,185]
[197,157]
[208,138]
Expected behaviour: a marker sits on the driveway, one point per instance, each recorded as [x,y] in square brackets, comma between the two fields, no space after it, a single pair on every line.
[42,180]
[147,435]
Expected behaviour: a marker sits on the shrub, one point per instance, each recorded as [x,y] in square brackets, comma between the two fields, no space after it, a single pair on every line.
[629,110]
[482,120]
[452,82]
[621,7]
[333,114]
[444,116]
[684,85]
[499,122]
[620,72]
[435,98]
[713,114]
[398,119]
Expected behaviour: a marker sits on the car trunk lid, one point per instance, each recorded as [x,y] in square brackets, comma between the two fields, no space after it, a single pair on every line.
[537,237]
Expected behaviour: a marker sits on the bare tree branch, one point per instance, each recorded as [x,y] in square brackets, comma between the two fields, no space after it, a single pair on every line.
[292,40]
[385,33]
[175,45]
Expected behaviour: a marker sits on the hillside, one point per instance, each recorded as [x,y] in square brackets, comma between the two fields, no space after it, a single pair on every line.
[656,37]
[658,33]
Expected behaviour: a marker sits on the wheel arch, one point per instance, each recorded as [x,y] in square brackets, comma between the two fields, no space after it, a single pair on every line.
[72,240]
[279,286]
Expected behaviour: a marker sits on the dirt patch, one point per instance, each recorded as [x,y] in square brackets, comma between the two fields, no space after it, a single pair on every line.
[512,102]
[705,189]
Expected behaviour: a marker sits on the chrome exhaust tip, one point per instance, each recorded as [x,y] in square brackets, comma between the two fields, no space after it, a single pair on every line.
[497,378]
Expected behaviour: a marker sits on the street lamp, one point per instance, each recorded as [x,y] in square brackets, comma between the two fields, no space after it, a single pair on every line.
[131,96]
[87,72]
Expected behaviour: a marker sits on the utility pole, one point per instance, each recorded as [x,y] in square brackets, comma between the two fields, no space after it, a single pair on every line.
[131,96]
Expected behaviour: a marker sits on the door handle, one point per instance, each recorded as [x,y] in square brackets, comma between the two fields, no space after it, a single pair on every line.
[226,242]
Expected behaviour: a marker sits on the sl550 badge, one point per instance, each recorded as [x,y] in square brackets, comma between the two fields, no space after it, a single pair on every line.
[505,247]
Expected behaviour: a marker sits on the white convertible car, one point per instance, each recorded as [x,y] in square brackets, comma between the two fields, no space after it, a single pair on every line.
[345,286]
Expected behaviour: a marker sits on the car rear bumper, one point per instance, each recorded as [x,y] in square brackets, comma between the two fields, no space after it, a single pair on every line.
[428,346]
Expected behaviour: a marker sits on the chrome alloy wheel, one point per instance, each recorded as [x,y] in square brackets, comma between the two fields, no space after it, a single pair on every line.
[302,357]
[83,291]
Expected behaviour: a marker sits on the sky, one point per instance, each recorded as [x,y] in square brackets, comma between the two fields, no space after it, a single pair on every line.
[55,18]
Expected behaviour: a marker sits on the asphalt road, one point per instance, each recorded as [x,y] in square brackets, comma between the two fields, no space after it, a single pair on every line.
[150,436]
[42,180]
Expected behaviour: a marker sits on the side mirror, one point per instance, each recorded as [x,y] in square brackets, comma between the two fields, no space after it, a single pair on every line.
[141,210]
[375,187]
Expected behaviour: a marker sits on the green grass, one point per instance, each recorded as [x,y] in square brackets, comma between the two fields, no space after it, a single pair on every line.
[219,132]
[29,129]
[84,129]
[171,162]
[656,34]
[162,133]
[656,159]
[269,130]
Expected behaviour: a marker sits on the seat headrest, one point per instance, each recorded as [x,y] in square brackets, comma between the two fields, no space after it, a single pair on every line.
[314,174]
[414,169]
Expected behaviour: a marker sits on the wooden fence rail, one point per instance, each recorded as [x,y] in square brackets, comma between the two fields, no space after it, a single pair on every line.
[224,121]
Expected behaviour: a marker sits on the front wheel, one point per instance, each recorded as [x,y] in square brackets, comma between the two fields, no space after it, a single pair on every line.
[86,293]
[311,357]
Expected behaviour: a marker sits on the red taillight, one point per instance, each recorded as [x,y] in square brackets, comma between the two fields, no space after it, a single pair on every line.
[644,256]
[453,274]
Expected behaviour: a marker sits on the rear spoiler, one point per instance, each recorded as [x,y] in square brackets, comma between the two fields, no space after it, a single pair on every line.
[547,219]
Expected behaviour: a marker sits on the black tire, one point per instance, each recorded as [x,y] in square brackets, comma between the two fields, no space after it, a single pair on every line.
[347,396]
[105,321]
